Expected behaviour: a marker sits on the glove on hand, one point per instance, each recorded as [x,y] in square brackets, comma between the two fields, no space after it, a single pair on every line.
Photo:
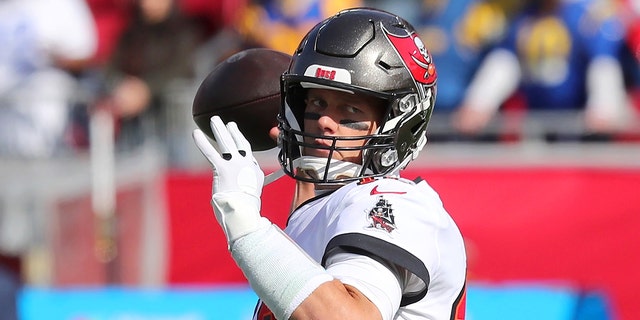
[237,179]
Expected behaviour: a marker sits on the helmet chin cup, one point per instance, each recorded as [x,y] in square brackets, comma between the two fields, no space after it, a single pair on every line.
[319,169]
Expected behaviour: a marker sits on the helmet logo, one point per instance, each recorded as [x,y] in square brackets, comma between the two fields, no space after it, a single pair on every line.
[415,56]
[329,73]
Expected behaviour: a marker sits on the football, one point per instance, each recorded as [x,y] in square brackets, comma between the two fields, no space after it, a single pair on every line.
[244,88]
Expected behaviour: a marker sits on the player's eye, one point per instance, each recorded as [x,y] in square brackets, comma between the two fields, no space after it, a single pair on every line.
[315,103]
[352,110]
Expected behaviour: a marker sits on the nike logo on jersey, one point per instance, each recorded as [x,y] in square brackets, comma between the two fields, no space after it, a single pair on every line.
[375,191]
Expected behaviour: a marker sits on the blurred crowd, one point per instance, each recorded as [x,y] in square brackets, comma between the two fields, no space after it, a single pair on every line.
[140,61]
[61,62]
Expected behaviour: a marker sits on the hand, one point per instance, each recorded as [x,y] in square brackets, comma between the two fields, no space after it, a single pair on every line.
[274,133]
[237,179]
[131,97]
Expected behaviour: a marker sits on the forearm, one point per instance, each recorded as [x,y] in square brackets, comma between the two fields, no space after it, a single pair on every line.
[335,300]
[293,285]
[280,273]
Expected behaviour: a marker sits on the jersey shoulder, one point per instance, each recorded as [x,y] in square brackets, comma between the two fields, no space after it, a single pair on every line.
[417,191]
[415,200]
[401,184]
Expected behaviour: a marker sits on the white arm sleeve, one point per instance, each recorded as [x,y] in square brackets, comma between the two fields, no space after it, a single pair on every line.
[494,82]
[380,283]
[277,269]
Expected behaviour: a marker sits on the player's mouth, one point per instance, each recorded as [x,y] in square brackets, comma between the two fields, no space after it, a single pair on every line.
[321,148]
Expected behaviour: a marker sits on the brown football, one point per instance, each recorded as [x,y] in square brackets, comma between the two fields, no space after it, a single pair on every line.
[244,88]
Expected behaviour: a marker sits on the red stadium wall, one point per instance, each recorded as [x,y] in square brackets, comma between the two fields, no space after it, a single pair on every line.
[576,226]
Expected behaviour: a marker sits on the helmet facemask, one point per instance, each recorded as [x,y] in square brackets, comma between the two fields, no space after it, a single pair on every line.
[322,170]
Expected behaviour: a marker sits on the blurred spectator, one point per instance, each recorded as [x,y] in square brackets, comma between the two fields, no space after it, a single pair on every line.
[275,24]
[154,56]
[111,17]
[630,13]
[213,15]
[560,55]
[281,24]
[42,43]
[633,36]
[459,33]
[220,20]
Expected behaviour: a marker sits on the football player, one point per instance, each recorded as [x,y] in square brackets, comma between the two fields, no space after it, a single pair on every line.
[370,244]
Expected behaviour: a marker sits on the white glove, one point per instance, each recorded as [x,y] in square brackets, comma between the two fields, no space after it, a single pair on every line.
[237,179]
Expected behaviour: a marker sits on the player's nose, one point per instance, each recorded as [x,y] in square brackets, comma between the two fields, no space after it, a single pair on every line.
[327,124]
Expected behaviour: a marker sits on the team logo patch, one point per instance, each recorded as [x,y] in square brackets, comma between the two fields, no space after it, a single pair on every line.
[381,216]
[415,56]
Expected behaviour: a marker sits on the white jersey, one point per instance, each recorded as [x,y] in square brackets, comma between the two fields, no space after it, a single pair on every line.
[400,223]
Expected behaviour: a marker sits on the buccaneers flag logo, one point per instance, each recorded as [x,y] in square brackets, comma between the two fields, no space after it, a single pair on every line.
[415,56]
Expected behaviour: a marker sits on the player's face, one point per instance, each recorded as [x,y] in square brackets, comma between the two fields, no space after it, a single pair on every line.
[339,114]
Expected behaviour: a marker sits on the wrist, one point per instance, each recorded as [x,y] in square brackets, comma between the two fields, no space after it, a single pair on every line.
[237,212]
